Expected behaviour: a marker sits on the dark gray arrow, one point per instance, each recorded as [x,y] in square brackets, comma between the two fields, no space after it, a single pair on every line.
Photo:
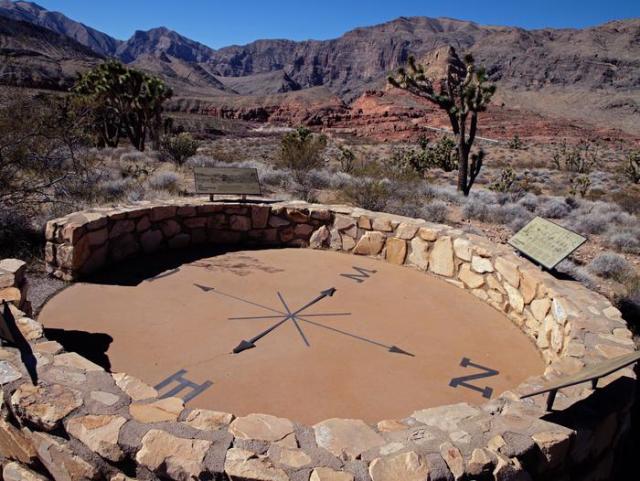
[394,349]
[244,344]
[209,289]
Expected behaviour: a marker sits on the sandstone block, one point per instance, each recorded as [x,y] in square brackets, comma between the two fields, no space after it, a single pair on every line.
[441,257]
[554,446]
[241,465]
[462,248]
[260,216]
[16,472]
[60,461]
[14,444]
[99,433]
[134,387]
[240,223]
[45,405]
[470,278]
[207,420]
[396,251]
[167,409]
[328,474]
[343,222]
[262,427]
[370,244]
[406,466]
[509,270]
[406,231]
[419,255]
[320,238]
[481,265]
[180,459]
[382,224]
[346,438]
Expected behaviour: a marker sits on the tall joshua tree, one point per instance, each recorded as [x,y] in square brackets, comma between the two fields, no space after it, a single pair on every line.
[462,93]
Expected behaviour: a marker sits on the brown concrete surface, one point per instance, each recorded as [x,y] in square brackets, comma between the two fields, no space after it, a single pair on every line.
[166,323]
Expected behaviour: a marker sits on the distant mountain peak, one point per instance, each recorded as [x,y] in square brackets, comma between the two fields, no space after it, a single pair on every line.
[99,42]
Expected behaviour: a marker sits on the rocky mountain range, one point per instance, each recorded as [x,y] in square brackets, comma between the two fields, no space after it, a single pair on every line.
[590,75]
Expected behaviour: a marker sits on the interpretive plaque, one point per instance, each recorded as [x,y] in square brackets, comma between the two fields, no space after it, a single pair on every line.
[227,180]
[545,242]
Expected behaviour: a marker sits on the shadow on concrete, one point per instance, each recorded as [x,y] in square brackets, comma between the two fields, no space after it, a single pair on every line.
[92,346]
[132,272]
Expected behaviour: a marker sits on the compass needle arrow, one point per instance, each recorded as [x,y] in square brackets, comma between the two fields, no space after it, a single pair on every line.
[393,349]
[248,344]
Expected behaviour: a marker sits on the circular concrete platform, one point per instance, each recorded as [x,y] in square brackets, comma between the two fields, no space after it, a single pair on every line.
[389,340]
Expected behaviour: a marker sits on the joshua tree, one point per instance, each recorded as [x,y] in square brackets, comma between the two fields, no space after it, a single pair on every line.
[462,94]
[124,101]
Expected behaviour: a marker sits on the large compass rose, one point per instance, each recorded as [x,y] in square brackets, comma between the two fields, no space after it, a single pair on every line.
[296,317]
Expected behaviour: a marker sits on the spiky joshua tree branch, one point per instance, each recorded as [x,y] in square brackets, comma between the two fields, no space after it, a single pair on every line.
[462,94]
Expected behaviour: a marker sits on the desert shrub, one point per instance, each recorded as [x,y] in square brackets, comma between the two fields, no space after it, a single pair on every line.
[416,162]
[624,241]
[301,151]
[134,157]
[476,211]
[515,143]
[592,223]
[347,160]
[179,147]
[579,185]
[611,266]
[435,211]
[368,193]
[165,180]
[319,179]
[18,236]
[580,158]
[632,169]
[201,161]
[506,181]
[529,202]
[114,189]
[340,180]
[554,208]
[578,273]
[447,193]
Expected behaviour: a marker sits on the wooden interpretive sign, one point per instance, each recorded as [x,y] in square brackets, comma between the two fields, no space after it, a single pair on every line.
[545,242]
[226,180]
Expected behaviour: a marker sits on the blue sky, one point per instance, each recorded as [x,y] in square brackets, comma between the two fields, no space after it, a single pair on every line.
[220,23]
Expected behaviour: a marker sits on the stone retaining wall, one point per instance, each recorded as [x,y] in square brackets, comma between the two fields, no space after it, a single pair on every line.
[81,422]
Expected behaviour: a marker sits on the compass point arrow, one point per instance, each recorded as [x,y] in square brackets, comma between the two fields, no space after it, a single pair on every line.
[397,350]
[205,288]
[243,346]
[329,292]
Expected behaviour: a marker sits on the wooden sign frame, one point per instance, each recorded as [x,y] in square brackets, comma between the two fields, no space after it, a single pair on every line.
[227,181]
[554,232]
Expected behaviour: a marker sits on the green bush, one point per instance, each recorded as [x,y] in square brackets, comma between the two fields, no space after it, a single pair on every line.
[416,162]
[301,151]
[180,147]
